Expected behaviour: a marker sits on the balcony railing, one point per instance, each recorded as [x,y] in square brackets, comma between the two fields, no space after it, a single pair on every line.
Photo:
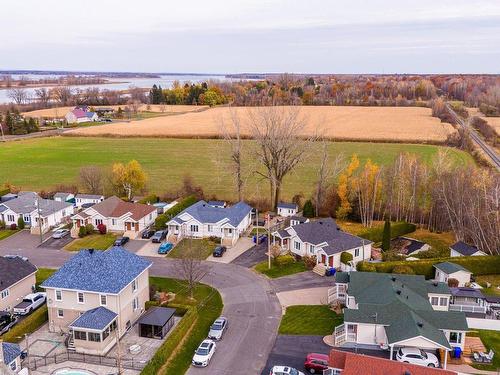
[468,308]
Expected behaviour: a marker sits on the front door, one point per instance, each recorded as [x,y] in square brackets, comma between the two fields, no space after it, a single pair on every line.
[136,227]
[128,226]
[323,258]
[330,261]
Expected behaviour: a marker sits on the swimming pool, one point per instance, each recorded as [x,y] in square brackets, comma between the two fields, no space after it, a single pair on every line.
[70,371]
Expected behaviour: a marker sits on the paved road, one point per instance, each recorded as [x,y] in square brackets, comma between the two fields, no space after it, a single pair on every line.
[250,304]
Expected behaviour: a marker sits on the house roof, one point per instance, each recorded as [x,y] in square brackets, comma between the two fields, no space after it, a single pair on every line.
[10,352]
[98,271]
[97,319]
[204,213]
[449,267]
[79,113]
[354,364]
[14,269]
[27,203]
[413,244]
[115,207]
[292,206]
[463,248]
[89,196]
[63,196]
[216,203]
[157,316]
[492,299]
[466,292]
[282,233]
[300,219]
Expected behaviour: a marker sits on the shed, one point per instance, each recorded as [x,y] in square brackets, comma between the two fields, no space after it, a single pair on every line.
[156,322]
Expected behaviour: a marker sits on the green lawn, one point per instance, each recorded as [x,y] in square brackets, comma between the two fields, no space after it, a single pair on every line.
[4,233]
[92,241]
[36,158]
[494,280]
[309,320]
[491,340]
[202,248]
[43,274]
[279,271]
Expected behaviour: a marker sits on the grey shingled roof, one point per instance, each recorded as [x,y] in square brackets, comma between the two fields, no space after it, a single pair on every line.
[88,196]
[466,292]
[98,271]
[292,206]
[157,316]
[26,204]
[98,319]
[63,196]
[10,352]
[14,269]
[463,248]
[204,213]
[449,267]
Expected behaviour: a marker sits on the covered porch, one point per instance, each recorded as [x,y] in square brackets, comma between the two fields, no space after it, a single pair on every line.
[156,322]
[281,238]
[421,343]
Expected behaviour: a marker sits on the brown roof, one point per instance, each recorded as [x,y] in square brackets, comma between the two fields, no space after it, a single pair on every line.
[354,364]
[115,207]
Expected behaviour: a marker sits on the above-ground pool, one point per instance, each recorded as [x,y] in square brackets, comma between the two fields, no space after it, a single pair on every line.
[70,371]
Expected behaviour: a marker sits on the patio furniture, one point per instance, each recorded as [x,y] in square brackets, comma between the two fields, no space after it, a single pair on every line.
[477,357]
[134,349]
[488,358]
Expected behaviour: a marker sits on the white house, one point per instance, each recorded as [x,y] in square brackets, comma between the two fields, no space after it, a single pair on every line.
[117,215]
[391,311]
[64,197]
[29,206]
[324,240]
[78,115]
[287,209]
[461,249]
[202,220]
[81,199]
[448,270]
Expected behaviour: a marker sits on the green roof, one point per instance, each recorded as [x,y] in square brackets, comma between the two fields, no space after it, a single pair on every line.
[450,268]
[342,277]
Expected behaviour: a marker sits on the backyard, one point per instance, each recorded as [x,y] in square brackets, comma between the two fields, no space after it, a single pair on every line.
[494,280]
[491,340]
[92,241]
[309,320]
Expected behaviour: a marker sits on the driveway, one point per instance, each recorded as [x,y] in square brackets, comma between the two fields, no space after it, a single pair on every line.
[239,248]
[252,256]
[56,243]
[310,296]
[302,280]
[149,249]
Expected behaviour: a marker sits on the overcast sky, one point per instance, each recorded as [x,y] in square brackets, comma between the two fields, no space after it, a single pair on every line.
[216,36]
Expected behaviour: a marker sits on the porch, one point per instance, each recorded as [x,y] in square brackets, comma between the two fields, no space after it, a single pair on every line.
[345,333]
[337,294]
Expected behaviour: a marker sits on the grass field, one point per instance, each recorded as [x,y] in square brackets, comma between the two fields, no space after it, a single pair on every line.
[494,280]
[202,248]
[93,241]
[43,163]
[309,320]
[411,124]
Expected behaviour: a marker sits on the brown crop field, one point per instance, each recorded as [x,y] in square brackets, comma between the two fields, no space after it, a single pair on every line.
[400,124]
[493,121]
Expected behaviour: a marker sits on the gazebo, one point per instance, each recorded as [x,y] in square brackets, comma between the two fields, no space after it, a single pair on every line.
[156,322]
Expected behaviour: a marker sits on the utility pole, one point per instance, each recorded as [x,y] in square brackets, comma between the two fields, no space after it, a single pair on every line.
[39,218]
[268,240]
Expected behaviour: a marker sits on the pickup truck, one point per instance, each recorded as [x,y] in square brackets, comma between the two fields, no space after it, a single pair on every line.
[7,321]
[30,303]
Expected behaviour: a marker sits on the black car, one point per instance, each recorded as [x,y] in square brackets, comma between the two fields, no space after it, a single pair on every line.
[159,236]
[147,234]
[219,251]
[7,321]
[120,241]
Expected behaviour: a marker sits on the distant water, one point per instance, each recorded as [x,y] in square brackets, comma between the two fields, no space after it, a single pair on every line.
[165,81]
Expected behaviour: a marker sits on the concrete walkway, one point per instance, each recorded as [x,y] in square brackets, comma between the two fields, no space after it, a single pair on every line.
[310,296]
[242,245]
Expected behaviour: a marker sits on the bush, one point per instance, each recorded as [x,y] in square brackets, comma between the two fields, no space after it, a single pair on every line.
[13,226]
[214,239]
[161,220]
[403,269]
[345,257]
[389,256]
[308,210]
[102,228]
[20,223]
[2,224]
[283,260]
[386,236]
[366,267]
[309,261]
[152,198]
[89,228]
[82,232]
[453,283]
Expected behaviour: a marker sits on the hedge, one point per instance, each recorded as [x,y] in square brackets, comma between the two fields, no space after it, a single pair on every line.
[397,229]
[161,220]
[4,191]
[483,265]
[28,325]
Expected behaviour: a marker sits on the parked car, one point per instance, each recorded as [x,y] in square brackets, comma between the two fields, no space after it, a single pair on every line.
[147,234]
[315,363]
[60,233]
[417,357]
[262,239]
[204,353]
[7,321]
[218,328]
[165,247]
[30,303]
[16,256]
[159,236]
[120,241]
[219,251]
[285,370]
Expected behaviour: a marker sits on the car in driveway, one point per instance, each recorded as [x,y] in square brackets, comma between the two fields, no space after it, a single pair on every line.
[315,363]
[417,356]
[218,328]
[147,234]
[60,233]
[165,247]
[30,303]
[219,251]
[7,321]
[120,241]
[285,370]
[204,353]
[159,236]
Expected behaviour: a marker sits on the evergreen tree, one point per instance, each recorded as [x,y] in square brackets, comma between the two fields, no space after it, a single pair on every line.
[386,236]
[308,210]
[20,223]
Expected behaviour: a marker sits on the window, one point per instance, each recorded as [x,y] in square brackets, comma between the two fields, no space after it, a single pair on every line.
[96,337]
[210,228]
[134,285]
[434,301]
[27,218]
[296,245]
[104,300]
[60,313]
[80,335]
[135,303]
[80,298]
[58,295]
[5,293]
[194,228]
[356,252]
[98,222]
[113,221]
[443,301]
[10,218]
[455,337]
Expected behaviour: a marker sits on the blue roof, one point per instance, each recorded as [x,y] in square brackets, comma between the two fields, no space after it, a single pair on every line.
[205,213]
[293,206]
[216,203]
[10,352]
[98,319]
[98,271]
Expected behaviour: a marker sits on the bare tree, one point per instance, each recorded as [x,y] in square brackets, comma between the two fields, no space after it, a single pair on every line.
[190,266]
[43,96]
[63,94]
[18,95]
[91,178]
[281,143]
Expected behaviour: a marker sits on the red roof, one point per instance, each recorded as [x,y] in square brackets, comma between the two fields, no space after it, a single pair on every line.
[354,364]
[115,207]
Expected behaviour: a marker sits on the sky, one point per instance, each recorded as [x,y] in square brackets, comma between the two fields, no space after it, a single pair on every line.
[215,36]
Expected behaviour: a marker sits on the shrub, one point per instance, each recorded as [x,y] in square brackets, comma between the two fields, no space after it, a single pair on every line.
[82,232]
[283,260]
[214,239]
[161,220]
[89,228]
[2,224]
[366,267]
[308,210]
[13,226]
[453,283]
[102,228]
[309,261]
[345,257]
[20,223]
[152,198]
[389,256]
[386,236]
[403,269]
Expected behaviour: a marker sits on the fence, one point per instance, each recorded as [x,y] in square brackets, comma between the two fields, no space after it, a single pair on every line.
[35,362]
[491,324]
[468,308]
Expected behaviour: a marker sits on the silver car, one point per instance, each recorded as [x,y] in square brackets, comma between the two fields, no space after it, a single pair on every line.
[60,233]
[218,328]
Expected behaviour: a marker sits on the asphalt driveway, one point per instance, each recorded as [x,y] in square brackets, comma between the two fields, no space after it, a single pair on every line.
[302,280]
[252,256]
[56,243]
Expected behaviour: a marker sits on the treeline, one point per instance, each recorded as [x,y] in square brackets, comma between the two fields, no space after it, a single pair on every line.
[6,80]
[191,94]
[13,123]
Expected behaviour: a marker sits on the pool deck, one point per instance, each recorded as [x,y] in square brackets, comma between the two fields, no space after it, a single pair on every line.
[95,369]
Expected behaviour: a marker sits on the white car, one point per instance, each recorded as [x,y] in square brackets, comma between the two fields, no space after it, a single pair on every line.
[204,353]
[417,357]
[285,370]
[60,233]
[217,329]
[30,303]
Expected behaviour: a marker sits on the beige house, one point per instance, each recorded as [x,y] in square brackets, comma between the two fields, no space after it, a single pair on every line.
[96,297]
[17,279]
[448,270]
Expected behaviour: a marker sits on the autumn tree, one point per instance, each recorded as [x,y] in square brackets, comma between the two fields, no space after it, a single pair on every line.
[344,188]
[367,186]
[91,179]
[128,178]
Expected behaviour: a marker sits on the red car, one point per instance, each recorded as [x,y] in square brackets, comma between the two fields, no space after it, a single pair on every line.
[315,363]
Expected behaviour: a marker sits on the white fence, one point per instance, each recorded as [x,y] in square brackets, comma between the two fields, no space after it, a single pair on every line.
[468,308]
[491,324]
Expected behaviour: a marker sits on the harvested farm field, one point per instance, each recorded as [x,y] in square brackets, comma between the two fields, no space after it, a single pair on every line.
[399,124]
[493,121]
